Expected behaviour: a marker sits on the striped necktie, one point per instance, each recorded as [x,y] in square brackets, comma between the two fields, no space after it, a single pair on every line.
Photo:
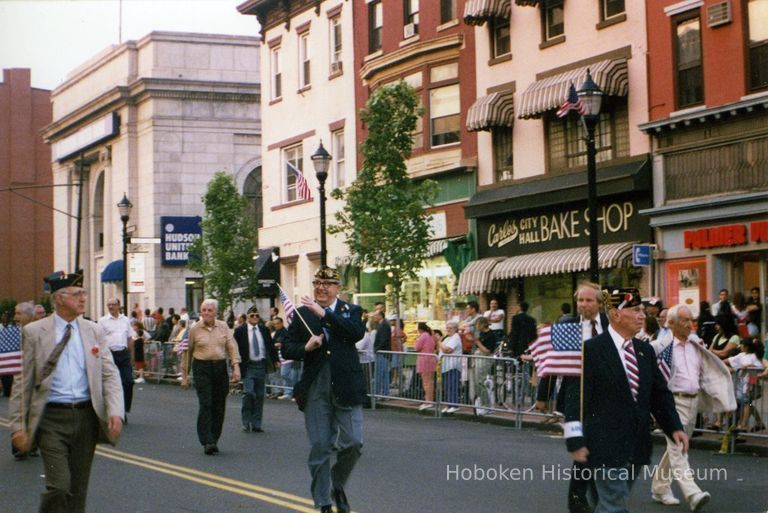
[53,359]
[633,374]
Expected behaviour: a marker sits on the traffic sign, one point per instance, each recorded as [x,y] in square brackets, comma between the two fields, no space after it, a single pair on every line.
[145,240]
[641,255]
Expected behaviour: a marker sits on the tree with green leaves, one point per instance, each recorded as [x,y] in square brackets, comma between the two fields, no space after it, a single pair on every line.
[224,252]
[383,220]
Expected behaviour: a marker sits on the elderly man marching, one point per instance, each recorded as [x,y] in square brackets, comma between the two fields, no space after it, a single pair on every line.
[698,381]
[332,388]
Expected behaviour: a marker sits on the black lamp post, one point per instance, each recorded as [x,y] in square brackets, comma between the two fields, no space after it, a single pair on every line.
[321,160]
[124,207]
[591,96]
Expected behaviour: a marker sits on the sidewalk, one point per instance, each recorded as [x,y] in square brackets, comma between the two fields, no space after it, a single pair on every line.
[710,441]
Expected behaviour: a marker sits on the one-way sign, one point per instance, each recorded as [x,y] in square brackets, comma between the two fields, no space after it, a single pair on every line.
[641,255]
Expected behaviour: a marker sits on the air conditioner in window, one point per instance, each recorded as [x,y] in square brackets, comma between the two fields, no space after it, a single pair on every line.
[719,14]
[336,67]
[410,30]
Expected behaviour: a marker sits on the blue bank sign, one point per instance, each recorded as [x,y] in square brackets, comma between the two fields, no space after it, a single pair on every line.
[177,234]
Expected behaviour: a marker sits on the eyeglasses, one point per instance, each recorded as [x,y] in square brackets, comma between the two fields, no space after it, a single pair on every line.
[113,304]
[79,293]
[253,315]
[324,284]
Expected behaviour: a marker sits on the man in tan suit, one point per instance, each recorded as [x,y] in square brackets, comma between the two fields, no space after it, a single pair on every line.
[69,398]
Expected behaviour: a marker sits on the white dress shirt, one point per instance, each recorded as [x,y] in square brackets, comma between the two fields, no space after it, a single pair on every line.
[117,331]
[254,329]
[586,328]
[686,367]
[70,379]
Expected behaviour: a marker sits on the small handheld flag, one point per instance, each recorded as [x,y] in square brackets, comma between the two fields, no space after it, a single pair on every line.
[557,350]
[10,350]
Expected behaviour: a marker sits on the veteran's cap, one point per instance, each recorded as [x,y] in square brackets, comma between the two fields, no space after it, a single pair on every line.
[327,273]
[61,280]
[619,298]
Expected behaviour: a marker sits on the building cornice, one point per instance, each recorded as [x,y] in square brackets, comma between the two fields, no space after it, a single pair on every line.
[695,117]
[408,53]
[148,88]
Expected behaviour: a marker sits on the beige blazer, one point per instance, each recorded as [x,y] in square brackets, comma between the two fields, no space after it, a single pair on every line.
[28,401]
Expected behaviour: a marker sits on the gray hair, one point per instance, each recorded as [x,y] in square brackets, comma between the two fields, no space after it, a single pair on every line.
[674,311]
[210,302]
[26,308]
[453,324]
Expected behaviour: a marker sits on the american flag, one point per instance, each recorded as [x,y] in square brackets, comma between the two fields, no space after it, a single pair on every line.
[287,306]
[557,350]
[10,350]
[665,357]
[302,187]
[572,102]
[183,345]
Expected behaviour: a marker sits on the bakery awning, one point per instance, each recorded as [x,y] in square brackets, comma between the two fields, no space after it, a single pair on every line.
[561,261]
[477,12]
[494,110]
[113,272]
[475,278]
[549,93]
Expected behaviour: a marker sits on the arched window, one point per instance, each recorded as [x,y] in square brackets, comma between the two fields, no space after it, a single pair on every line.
[252,192]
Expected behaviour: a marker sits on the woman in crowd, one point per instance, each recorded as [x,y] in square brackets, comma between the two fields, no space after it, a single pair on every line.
[138,338]
[741,313]
[485,345]
[705,324]
[748,387]
[724,344]
[426,363]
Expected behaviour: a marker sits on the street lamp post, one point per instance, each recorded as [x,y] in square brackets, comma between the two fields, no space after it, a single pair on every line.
[591,97]
[321,160]
[124,207]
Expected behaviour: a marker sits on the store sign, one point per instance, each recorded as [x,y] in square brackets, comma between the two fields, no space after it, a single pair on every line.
[561,228]
[728,235]
[93,133]
[177,235]
[136,273]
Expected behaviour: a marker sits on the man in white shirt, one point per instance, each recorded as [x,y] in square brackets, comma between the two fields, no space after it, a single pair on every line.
[495,316]
[117,331]
[687,362]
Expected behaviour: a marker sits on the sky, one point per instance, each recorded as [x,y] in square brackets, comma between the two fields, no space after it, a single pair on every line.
[53,37]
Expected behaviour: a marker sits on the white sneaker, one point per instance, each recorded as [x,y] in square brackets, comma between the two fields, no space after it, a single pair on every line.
[444,410]
[698,500]
[452,409]
[667,499]
[140,380]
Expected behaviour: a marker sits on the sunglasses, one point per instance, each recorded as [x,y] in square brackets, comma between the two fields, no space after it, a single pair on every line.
[253,315]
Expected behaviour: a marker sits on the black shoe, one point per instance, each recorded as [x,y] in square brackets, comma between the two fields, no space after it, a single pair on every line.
[247,429]
[326,509]
[257,430]
[210,449]
[215,449]
[340,498]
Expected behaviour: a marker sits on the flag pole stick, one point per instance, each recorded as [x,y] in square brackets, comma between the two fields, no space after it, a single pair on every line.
[581,376]
[297,311]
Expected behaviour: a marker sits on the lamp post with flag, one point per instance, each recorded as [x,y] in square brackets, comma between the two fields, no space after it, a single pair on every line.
[321,159]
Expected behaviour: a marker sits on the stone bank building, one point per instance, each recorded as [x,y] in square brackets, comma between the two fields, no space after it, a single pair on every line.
[152,119]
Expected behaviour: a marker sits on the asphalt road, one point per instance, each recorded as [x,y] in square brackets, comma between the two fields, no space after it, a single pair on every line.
[411,463]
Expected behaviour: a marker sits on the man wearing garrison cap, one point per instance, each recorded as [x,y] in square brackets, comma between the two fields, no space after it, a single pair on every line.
[70,395]
[607,419]
[332,389]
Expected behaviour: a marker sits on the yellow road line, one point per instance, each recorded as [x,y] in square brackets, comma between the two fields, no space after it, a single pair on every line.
[207,482]
[153,463]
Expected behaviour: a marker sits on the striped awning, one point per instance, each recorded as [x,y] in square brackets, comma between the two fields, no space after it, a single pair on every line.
[549,93]
[493,110]
[561,261]
[436,247]
[477,12]
[475,278]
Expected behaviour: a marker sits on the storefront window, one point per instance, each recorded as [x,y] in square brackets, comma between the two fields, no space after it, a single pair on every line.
[433,296]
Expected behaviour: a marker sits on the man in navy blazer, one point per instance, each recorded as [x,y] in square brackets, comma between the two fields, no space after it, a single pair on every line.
[622,387]
[332,389]
[258,359]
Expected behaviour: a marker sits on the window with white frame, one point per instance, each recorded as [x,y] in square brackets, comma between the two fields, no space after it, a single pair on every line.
[500,45]
[339,173]
[611,8]
[688,61]
[444,105]
[293,162]
[304,76]
[335,32]
[502,153]
[277,76]
[553,19]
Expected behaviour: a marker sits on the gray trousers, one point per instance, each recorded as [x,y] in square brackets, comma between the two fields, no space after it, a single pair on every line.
[331,426]
[67,440]
[254,379]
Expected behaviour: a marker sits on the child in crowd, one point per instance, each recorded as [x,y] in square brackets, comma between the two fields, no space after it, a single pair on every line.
[749,387]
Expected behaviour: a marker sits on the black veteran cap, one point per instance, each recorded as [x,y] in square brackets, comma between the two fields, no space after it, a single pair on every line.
[621,298]
[327,273]
[253,309]
[61,280]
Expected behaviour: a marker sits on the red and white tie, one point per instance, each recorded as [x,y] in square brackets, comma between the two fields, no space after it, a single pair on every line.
[633,374]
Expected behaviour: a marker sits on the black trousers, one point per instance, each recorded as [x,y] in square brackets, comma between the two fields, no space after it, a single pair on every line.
[212,386]
[122,360]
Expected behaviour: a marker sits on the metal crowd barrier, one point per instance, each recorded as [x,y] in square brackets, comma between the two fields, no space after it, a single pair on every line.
[481,385]
[161,362]
[749,420]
